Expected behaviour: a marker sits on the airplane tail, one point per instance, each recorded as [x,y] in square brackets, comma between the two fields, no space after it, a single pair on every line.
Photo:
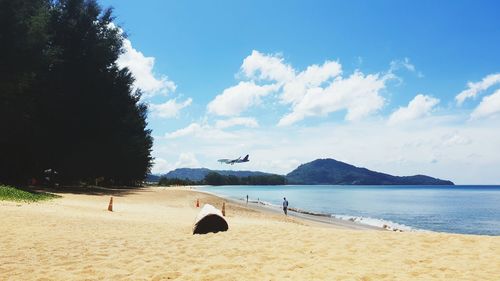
[246,158]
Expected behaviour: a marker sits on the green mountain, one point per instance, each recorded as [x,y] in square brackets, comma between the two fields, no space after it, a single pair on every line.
[198,174]
[330,171]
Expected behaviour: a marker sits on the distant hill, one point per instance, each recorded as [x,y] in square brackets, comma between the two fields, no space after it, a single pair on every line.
[330,171]
[320,171]
[197,174]
[152,178]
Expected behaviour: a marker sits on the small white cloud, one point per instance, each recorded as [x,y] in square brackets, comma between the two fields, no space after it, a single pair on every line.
[405,63]
[189,130]
[359,60]
[399,64]
[489,106]
[201,131]
[160,166]
[141,68]
[237,121]
[234,100]
[474,88]
[169,109]
[266,67]
[420,106]
[187,160]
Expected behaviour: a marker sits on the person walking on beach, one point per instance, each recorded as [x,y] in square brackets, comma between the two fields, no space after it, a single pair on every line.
[285,206]
[247,199]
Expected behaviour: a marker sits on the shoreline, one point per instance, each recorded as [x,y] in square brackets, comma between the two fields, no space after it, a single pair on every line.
[338,209]
[311,218]
[304,216]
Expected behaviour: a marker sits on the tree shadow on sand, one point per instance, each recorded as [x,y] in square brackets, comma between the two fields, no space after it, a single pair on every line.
[88,190]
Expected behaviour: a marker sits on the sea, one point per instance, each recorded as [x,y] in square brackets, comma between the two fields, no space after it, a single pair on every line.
[455,209]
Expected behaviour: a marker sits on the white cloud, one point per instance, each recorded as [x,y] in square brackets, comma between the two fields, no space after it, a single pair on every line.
[419,107]
[187,160]
[237,121]
[201,131]
[314,76]
[169,109]
[316,91]
[237,99]
[319,89]
[489,106]
[474,88]
[192,128]
[359,94]
[160,166]
[142,70]
[266,67]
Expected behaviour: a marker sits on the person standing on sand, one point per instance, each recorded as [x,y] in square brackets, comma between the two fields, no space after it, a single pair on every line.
[285,206]
[247,199]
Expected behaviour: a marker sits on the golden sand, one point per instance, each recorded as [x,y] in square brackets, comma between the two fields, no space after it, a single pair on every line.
[149,237]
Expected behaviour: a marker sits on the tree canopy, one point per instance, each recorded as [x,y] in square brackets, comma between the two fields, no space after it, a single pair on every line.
[214,178]
[64,102]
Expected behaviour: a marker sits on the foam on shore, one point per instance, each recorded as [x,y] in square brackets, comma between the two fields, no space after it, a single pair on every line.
[368,221]
[385,224]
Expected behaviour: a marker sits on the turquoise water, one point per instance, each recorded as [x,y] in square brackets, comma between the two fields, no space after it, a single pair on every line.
[456,209]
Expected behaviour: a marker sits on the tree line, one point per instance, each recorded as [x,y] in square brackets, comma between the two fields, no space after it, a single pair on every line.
[65,105]
[214,178]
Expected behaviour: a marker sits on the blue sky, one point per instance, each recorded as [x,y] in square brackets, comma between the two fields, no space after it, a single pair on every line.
[379,84]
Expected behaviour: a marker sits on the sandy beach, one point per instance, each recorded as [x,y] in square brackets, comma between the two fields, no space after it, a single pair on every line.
[148,236]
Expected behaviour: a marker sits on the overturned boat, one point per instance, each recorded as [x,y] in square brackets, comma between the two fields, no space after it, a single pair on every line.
[209,219]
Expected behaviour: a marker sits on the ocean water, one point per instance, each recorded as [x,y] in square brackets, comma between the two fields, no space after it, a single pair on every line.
[455,209]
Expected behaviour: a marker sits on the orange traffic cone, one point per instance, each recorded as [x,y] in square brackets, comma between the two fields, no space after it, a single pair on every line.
[224,209]
[110,206]
[197,203]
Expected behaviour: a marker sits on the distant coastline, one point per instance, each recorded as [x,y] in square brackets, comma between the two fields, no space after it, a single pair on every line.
[317,172]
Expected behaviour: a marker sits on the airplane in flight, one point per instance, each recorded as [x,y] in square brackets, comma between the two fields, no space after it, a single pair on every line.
[229,161]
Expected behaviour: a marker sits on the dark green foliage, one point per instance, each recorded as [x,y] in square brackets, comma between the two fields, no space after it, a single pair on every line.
[214,178]
[330,171]
[175,181]
[23,58]
[65,104]
[198,174]
[263,180]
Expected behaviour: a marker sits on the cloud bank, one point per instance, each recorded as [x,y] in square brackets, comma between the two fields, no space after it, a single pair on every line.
[316,91]
[142,69]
